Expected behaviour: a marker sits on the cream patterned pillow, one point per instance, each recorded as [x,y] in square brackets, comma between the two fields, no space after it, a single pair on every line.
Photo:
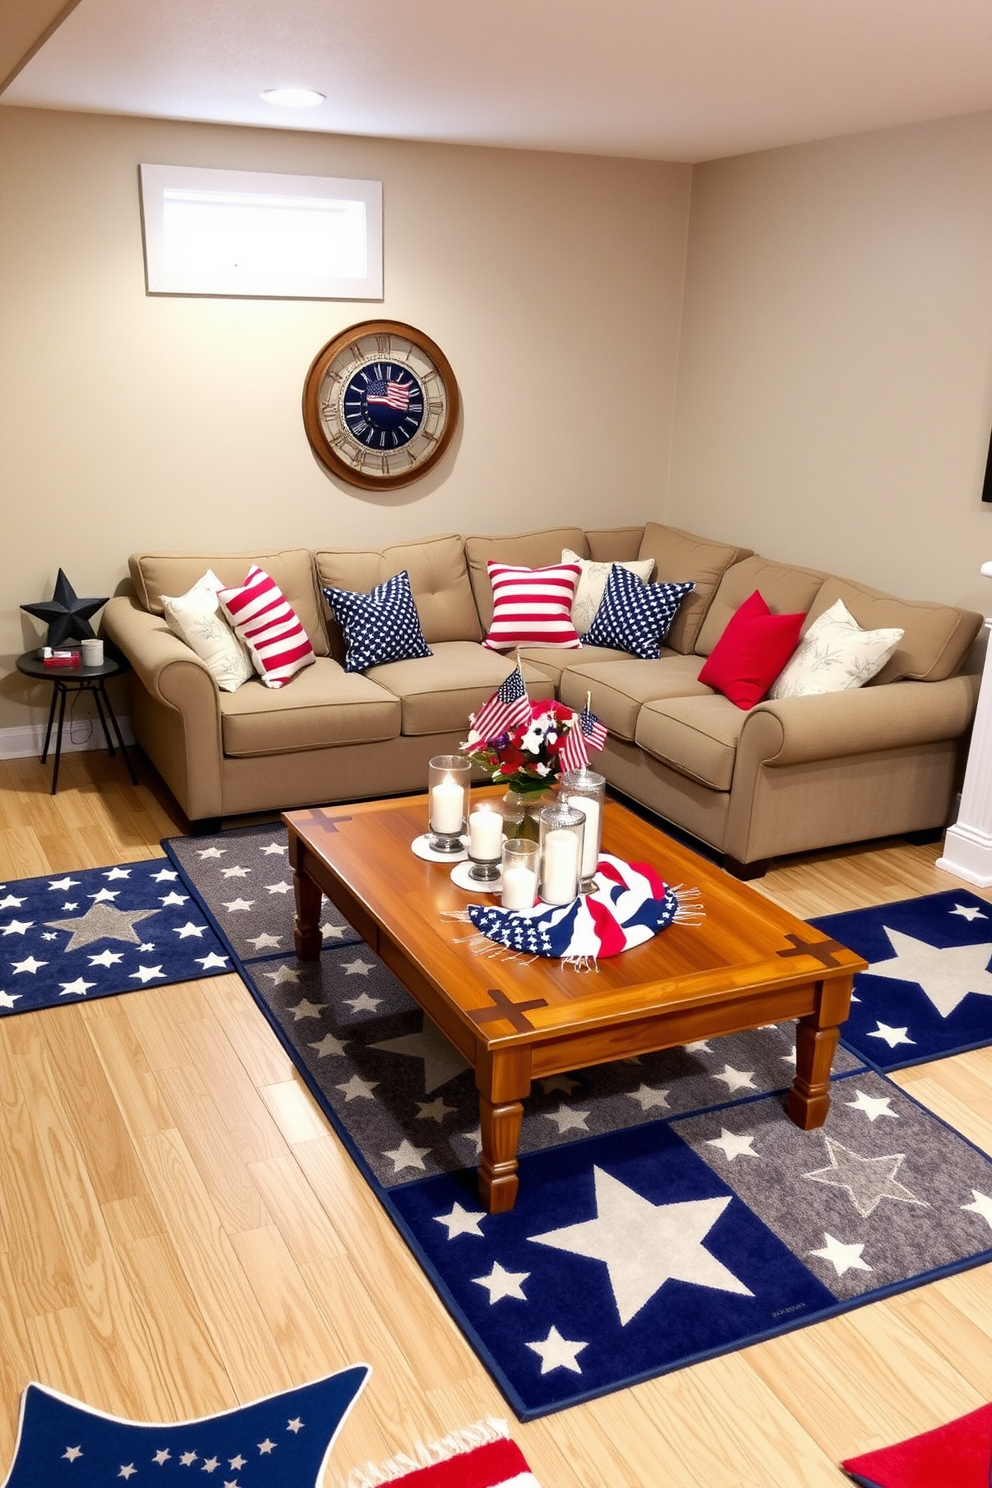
[835,655]
[591,587]
[196,617]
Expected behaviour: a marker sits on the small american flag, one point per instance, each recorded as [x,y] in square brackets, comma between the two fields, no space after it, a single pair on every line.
[574,752]
[508,707]
[389,393]
[594,731]
[586,733]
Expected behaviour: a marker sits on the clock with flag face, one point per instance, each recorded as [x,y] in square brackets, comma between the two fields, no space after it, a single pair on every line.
[380,404]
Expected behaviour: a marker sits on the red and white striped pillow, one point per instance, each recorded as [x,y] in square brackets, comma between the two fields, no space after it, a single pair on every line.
[269,626]
[532,606]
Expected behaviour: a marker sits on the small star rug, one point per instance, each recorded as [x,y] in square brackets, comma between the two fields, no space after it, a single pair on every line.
[669,1210]
[99,932]
[283,1441]
[927,992]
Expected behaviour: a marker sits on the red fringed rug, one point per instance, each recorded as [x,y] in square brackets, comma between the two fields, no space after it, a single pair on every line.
[481,1456]
[958,1455]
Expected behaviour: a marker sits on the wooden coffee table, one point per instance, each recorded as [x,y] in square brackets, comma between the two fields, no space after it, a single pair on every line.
[746,963]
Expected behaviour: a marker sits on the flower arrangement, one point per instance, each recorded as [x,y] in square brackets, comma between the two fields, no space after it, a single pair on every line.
[526,756]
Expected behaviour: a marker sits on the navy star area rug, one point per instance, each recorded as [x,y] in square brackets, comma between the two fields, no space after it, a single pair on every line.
[99,932]
[631,1254]
[668,1209]
[927,992]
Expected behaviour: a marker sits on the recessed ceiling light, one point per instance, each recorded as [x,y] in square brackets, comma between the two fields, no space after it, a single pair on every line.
[293,97]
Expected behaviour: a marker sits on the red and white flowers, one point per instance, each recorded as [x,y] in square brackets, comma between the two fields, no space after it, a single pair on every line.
[527,756]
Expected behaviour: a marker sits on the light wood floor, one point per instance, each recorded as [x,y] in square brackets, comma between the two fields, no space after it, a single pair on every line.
[181,1231]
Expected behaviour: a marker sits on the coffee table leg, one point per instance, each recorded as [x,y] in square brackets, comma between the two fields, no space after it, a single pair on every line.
[503,1079]
[306,926]
[498,1181]
[816,1042]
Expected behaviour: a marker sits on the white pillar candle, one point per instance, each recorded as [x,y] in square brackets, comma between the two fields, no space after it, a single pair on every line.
[560,869]
[519,888]
[485,834]
[589,807]
[447,806]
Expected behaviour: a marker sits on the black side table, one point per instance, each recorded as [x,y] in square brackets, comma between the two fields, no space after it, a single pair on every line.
[77,679]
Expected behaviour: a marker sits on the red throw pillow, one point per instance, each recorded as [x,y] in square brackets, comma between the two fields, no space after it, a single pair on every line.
[753,649]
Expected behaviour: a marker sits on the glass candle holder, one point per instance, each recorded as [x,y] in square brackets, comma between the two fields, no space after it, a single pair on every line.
[586,791]
[520,862]
[485,842]
[448,777]
[562,829]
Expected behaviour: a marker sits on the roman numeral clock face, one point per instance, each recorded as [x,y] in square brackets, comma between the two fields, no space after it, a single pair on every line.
[380,404]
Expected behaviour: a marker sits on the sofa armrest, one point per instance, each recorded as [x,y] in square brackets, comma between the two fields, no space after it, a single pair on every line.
[152,649]
[175,712]
[881,760]
[897,715]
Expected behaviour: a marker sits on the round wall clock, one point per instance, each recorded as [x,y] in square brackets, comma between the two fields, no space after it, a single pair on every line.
[380,404]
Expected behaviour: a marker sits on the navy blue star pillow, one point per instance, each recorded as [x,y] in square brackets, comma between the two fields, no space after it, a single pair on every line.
[380,626]
[634,616]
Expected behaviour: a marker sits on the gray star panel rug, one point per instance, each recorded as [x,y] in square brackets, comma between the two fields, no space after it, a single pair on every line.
[98,932]
[668,1209]
[244,881]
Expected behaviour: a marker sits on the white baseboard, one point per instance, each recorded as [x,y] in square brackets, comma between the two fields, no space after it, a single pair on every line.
[77,734]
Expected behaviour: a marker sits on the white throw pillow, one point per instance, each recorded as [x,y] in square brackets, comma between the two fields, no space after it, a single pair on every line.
[591,587]
[835,655]
[198,619]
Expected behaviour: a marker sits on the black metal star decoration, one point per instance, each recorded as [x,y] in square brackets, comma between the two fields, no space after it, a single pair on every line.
[67,615]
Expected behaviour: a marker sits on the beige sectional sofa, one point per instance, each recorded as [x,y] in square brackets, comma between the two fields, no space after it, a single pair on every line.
[781,777]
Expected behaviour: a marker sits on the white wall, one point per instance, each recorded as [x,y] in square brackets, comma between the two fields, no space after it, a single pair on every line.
[835,384]
[553,284]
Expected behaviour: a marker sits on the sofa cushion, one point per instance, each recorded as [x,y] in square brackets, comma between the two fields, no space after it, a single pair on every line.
[437,693]
[698,736]
[155,574]
[935,639]
[438,581]
[379,626]
[325,706]
[619,689]
[784,588]
[681,556]
[751,652]
[532,607]
[553,664]
[614,544]
[635,616]
[525,550]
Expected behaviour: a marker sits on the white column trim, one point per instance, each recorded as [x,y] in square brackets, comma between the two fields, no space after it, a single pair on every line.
[968,844]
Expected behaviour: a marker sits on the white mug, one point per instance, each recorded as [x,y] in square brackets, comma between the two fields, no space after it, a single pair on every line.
[92,649]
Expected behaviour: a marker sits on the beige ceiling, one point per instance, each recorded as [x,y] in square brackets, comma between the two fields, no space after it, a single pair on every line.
[662,79]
